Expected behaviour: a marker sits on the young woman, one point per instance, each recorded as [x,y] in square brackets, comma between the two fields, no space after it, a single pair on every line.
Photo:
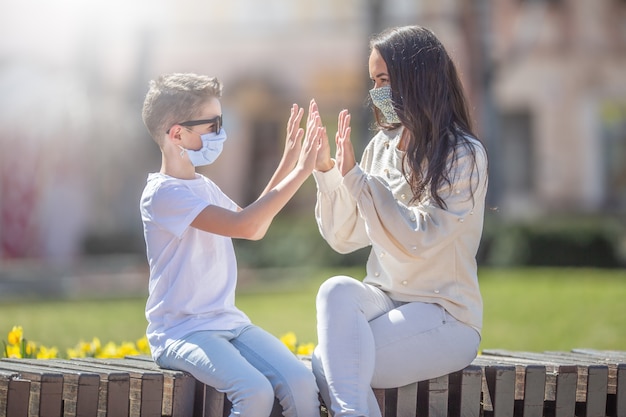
[417,198]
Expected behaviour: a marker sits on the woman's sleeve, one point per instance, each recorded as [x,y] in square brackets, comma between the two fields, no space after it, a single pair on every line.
[337,214]
[412,232]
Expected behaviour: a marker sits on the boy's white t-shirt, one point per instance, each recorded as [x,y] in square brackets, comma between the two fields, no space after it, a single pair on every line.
[193,274]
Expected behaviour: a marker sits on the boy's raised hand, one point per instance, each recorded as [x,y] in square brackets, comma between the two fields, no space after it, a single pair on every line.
[312,141]
[323,162]
[293,142]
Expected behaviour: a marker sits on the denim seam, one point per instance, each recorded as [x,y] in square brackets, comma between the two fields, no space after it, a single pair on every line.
[268,365]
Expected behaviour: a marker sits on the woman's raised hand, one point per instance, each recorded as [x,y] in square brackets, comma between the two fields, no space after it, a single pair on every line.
[345,151]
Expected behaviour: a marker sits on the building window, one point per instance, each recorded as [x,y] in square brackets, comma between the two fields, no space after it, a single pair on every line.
[548,2]
[516,147]
[266,141]
[613,131]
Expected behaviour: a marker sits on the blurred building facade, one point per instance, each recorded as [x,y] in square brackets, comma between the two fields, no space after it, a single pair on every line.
[559,86]
[546,80]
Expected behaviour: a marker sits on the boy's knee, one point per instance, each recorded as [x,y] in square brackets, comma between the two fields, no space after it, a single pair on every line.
[302,381]
[256,399]
[301,398]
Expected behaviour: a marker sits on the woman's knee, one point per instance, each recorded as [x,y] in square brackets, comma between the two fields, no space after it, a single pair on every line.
[338,288]
[320,376]
[316,363]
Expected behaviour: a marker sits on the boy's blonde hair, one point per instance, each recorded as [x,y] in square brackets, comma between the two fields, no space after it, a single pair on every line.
[176,98]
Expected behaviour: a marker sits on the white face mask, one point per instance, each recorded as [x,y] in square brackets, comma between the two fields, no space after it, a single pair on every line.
[212,145]
[381,97]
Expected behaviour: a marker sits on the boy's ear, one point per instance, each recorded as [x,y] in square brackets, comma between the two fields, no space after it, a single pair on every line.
[174,133]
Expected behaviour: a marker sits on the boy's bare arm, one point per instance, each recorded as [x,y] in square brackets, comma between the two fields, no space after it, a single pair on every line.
[253,221]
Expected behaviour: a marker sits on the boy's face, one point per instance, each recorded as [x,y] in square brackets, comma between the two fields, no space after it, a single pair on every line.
[211,112]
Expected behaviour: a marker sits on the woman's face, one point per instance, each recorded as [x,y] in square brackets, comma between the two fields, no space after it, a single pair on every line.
[378,69]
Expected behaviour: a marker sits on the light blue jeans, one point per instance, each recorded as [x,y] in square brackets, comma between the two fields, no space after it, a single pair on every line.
[366,339]
[251,366]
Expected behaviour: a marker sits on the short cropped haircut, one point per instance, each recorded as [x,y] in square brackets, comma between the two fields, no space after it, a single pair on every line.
[176,98]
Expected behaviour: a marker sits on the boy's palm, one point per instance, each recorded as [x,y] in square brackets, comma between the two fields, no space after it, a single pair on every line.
[312,143]
[293,142]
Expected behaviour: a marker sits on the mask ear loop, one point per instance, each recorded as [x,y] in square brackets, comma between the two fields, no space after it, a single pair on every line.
[182,151]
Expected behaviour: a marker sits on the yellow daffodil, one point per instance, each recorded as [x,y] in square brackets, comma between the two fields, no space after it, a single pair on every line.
[84,347]
[96,346]
[29,349]
[108,351]
[15,335]
[19,347]
[47,353]
[305,349]
[290,340]
[13,351]
[143,346]
[74,353]
[127,348]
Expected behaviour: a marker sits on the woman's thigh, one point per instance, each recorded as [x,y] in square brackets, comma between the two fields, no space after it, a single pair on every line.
[420,341]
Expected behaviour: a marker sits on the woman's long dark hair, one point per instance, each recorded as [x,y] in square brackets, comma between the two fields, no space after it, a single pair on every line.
[428,97]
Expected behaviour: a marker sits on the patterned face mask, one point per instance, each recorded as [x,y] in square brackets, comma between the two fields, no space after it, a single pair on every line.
[381,97]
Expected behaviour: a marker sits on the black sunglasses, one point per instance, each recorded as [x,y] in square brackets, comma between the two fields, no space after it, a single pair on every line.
[217,123]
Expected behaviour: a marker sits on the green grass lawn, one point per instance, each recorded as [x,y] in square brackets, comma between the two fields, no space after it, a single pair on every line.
[525,309]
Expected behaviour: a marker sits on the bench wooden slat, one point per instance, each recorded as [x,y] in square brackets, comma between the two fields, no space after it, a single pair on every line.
[406,402]
[5,379]
[469,392]
[179,387]
[597,377]
[604,380]
[14,394]
[498,383]
[18,398]
[501,387]
[608,355]
[213,402]
[438,396]
[183,386]
[534,390]
[566,391]
[520,372]
[610,361]
[80,387]
[380,398]
[582,363]
[620,400]
[46,388]
[190,397]
[146,386]
[113,398]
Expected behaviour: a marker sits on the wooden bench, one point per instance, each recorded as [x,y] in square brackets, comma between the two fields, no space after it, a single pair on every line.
[498,383]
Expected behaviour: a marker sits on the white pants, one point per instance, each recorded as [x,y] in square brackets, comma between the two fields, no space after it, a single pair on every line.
[367,340]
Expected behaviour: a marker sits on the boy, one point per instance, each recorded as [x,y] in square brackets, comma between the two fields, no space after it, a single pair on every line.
[193,324]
